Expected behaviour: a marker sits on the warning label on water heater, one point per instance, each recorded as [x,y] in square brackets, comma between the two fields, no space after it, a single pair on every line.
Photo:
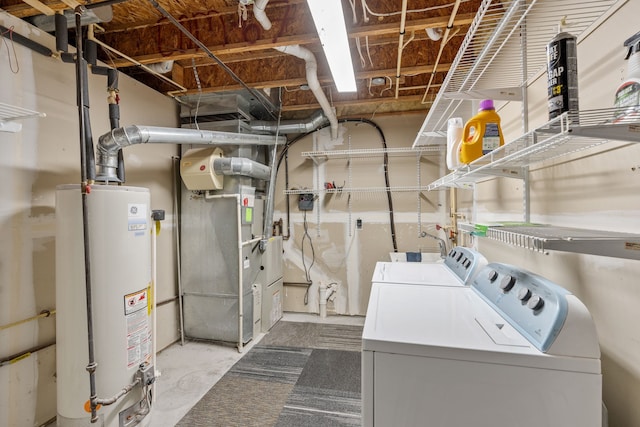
[138,330]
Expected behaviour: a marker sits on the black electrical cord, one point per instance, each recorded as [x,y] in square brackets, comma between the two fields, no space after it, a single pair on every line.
[392,221]
[307,271]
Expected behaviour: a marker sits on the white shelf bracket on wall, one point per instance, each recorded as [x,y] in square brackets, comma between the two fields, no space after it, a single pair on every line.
[9,114]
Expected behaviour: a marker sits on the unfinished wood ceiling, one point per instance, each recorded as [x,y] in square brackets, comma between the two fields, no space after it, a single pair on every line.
[140,34]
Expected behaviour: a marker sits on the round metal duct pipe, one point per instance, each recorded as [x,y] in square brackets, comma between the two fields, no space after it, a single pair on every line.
[241,166]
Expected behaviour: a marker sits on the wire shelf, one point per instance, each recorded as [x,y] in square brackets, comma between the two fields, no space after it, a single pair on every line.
[374,152]
[543,238]
[564,135]
[501,31]
[10,113]
[358,190]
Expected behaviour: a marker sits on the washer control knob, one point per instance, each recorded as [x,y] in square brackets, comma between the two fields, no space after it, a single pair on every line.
[524,294]
[493,275]
[507,283]
[535,302]
[459,256]
[467,264]
[452,253]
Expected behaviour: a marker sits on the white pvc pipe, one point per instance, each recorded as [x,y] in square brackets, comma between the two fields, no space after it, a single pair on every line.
[325,294]
[445,39]
[311,67]
[323,300]
[260,15]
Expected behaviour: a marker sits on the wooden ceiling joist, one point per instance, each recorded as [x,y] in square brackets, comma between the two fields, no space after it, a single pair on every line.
[41,7]
[270,42]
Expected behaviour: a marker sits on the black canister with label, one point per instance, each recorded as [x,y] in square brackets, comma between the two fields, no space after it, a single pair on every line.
[562,69]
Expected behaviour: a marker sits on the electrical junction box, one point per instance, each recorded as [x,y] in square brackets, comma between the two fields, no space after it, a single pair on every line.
[305,202]
[196,169]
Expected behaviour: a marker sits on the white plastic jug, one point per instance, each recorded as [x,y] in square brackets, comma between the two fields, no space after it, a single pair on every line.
[455,126]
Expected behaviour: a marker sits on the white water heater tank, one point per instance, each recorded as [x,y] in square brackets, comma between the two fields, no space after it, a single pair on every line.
[120,265]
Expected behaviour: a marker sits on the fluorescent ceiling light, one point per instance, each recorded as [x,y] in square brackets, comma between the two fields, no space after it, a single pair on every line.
[329,20]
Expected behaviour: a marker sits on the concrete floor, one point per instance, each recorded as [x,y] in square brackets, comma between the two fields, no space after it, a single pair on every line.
[189,371]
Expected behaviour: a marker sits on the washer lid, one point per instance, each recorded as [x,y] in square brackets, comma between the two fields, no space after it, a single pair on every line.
[416,274]
[435,321]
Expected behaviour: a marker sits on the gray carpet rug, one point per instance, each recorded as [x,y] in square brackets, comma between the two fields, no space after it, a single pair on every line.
[300,374]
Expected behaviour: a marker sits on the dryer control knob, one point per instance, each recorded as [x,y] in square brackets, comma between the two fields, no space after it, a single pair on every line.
[507,283]
[535,302]
[524,294]
[493,275]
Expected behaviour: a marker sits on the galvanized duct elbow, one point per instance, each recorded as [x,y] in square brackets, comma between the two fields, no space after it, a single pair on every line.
[241,166]
[316,120]
[311,67]
[110,143]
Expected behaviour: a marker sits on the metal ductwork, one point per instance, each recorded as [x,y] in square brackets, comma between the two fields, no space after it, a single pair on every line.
[241,166]
[316,120]
[110,143]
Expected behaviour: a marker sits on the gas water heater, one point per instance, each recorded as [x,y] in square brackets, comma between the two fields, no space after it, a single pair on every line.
[120,265]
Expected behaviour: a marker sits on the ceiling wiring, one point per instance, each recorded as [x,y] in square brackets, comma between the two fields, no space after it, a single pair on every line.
[197,77]
[366,9]
[8,34]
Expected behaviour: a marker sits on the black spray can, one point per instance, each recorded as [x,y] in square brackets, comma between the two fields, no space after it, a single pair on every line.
[562,69]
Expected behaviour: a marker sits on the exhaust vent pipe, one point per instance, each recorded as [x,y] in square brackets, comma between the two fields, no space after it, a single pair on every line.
[312,80]
[260,15]
[316,120]
[111,143]
[310,64]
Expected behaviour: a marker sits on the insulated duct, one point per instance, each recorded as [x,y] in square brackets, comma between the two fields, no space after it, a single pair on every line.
[241,166]
[311,67]
[111,143]
[316,120]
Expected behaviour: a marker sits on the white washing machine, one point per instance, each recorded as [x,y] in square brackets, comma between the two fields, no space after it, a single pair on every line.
[457,269]
[513,350]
